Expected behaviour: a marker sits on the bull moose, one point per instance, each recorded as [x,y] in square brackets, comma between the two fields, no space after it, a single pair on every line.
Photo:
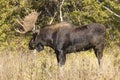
[66,38]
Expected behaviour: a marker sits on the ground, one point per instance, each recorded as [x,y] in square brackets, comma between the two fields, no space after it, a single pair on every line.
[43,66]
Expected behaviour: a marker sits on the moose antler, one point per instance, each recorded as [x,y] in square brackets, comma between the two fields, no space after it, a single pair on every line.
[28,23]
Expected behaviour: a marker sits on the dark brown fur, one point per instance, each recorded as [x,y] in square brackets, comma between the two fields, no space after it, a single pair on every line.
[66,38]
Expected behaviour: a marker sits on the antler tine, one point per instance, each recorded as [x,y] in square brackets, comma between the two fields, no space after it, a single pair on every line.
[22,32]
[19,22]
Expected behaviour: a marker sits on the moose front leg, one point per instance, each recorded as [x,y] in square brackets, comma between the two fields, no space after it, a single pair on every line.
[99,52]
[61,57]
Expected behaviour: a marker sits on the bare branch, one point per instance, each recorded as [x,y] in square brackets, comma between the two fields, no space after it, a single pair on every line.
[61,17]
[115,14]
[48,11]
[52,18]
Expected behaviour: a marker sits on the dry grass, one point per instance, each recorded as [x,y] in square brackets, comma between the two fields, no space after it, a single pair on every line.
[43,66]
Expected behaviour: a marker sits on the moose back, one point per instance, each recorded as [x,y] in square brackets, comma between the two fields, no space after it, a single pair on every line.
[66,38]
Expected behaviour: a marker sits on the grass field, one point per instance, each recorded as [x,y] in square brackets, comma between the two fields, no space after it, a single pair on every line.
[43,66]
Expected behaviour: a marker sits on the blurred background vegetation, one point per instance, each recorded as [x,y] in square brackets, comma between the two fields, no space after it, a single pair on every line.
[19,63]
[78,12]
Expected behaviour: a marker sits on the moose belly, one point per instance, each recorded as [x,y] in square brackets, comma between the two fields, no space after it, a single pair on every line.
[78,47]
